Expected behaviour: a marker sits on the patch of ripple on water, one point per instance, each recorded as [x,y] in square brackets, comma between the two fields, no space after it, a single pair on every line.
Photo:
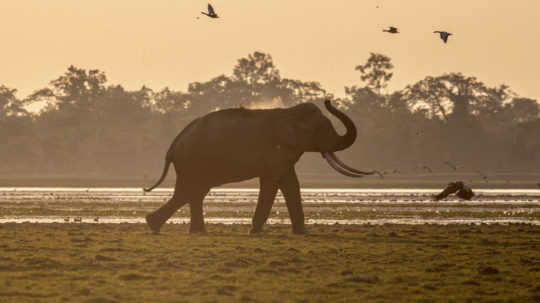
[246,221]
[242,195]
[352,199]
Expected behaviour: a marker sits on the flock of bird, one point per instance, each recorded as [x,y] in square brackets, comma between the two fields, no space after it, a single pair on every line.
[426,168]
[443,34]
[79,219]
[211,13]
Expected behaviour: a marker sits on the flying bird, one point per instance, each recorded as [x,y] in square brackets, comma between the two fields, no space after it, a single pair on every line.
[484,176]
[444,35]
[211,13]
[454,167]
[424,167]
[391,30]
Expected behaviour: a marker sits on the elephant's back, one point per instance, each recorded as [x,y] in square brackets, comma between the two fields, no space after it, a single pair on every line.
[236,137]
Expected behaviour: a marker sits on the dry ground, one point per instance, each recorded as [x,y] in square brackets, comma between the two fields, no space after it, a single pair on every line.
[391,263]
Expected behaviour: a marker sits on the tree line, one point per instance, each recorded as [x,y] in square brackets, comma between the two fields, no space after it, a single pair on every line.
[87,127]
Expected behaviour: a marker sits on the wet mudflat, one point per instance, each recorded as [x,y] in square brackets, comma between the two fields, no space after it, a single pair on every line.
[334,263]
[321,206]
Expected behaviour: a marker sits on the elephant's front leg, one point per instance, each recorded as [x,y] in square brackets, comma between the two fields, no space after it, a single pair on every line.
[196,210]
[291,191]
[267,194]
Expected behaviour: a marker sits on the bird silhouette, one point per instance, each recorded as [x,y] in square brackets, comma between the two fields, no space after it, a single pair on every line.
[424,167]
[211,13]
[451,165]
[391,30]
[484,176]
[444,35]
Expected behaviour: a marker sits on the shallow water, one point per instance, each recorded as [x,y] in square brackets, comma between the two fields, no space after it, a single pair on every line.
[225,195]
[185,220]
[328,206]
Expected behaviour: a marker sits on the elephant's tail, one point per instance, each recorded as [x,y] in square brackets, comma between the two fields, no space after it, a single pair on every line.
[163,175]
[169,156]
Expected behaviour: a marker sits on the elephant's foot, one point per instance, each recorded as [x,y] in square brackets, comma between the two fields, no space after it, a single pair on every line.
[197,230]
[299,230]
[153,223]
[255,231]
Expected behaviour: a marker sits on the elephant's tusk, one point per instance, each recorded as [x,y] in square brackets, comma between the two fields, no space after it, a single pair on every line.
[349,171]
[341,170]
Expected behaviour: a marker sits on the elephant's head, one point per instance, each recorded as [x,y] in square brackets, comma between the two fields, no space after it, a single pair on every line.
[307,129]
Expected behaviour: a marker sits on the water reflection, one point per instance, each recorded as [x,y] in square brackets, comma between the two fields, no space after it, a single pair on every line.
[185,220]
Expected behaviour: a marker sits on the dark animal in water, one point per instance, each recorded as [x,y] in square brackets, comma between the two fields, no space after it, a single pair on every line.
[463,191]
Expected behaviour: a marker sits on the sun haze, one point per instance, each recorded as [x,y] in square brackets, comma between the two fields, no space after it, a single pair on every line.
[169,43]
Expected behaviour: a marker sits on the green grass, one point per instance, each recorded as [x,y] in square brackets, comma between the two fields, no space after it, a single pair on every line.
[390,263]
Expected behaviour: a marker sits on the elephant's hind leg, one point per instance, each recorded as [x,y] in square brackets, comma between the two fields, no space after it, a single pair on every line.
[290,187]
[267,194]
[157,218]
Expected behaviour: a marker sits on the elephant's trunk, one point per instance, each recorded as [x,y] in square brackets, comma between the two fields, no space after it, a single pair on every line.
[344,142]
[348,138]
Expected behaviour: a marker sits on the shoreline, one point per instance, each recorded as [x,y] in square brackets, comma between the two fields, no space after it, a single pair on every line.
[435,181]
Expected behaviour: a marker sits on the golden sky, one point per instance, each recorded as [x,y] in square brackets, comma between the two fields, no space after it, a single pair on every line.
[162,43]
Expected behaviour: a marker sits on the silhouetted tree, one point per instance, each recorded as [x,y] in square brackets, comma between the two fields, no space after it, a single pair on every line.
[255,79]
[168,101]
[454,96]
[16,133]
[9,104]
[256,72]
[91,128]
[376,72]
[522,110]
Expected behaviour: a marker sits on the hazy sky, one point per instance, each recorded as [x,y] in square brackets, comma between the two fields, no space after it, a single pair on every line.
[161,43]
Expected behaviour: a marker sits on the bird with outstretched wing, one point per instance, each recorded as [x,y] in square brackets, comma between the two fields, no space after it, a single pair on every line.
[391,30]
[444,35]
[211,13]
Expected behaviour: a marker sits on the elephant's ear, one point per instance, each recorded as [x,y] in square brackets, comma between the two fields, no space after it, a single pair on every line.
[285,134]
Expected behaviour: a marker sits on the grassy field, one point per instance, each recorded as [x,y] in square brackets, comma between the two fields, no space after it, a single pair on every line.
[389,263]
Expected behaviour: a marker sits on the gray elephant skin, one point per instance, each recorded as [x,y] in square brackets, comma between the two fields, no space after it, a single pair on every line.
[237,144]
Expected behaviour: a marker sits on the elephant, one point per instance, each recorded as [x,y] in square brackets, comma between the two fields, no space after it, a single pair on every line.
[238,144]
